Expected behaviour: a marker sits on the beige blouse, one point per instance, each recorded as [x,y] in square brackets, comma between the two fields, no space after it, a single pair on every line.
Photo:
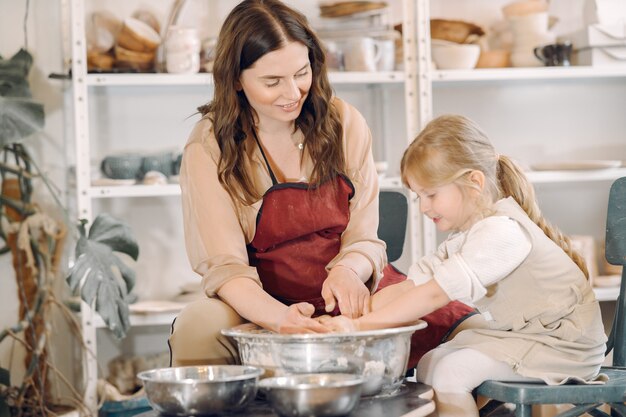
[217,227]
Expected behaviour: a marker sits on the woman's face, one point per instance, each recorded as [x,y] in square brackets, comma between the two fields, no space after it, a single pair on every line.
[277,84]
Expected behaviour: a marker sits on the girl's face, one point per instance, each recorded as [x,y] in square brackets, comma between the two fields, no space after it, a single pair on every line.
[278,83]
[446,206]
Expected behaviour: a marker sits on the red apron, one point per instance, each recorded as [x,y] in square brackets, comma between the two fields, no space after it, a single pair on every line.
[298,233]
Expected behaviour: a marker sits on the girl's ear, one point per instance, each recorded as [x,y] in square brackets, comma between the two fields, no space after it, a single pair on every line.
[478,179]
[238,86]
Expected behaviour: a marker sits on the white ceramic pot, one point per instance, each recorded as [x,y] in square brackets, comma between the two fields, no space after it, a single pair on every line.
[182,50]
[449,55]
[529,24]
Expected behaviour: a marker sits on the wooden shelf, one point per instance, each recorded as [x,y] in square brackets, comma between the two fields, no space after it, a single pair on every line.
[104,80]
[544,177]
[160,79]
[521,74]
[138,320]
[138,190]
[438,77]
[536,177]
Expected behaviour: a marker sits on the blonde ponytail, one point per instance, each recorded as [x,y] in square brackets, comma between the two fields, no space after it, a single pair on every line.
[513,183]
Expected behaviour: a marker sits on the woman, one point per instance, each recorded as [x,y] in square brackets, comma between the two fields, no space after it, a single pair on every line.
[280,193]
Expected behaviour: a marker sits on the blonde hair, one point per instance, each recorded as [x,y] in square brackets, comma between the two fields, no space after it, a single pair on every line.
[452,146]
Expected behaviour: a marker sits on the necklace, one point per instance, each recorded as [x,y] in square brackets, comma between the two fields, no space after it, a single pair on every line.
[297,138]
[298,141]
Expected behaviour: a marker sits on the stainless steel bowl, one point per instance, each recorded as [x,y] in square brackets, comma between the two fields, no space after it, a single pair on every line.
[380,356]
[319,395]
[201,390]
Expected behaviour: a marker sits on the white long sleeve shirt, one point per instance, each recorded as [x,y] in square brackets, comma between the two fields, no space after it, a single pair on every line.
[467,262]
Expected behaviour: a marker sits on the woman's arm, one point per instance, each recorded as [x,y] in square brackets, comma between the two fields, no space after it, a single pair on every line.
[216,244]
[361,249]
[362,255]
[253,303]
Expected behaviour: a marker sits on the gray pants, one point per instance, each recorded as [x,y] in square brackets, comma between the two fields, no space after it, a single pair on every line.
[196,337]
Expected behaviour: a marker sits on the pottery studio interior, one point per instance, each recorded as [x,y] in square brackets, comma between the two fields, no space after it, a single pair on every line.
[430,153]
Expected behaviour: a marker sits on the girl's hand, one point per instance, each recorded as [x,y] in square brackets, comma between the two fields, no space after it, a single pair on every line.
[298,319]
[344,287]
[339,324]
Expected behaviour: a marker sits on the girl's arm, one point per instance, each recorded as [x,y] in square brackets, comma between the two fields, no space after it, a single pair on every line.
[403,304]
[397,305]
[390,294]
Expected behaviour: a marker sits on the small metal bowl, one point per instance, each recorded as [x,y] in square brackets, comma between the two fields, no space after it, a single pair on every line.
[319,395]
[201,390]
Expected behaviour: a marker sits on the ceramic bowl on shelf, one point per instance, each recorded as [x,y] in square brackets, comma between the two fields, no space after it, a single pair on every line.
[138,36]
[497,58]
[124,166]
[450,55]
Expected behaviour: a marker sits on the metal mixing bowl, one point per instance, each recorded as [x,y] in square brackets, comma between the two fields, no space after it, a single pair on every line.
[380,356]
[201,390]
[319,395]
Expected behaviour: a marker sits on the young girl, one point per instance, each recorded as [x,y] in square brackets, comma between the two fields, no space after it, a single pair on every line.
[542,321]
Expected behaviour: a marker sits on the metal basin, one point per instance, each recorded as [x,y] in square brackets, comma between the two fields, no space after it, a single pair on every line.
[201,390]
[380,356]
[319,395]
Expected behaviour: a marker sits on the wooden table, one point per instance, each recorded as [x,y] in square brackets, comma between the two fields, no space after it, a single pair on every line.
[412,400]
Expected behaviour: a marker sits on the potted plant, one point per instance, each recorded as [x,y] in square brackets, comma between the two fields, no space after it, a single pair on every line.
[35,241]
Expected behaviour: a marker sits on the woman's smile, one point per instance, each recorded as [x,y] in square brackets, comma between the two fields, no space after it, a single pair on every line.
[291,106]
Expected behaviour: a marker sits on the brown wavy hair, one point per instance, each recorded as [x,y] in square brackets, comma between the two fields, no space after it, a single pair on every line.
[452,146]
[251,30]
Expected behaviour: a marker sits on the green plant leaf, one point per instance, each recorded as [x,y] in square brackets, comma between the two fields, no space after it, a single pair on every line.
[19,118]
[103,280]
[22,61]
[20,115]
[115,234]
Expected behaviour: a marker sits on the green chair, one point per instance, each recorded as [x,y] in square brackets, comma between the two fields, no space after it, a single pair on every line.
[393,208]
[584,398]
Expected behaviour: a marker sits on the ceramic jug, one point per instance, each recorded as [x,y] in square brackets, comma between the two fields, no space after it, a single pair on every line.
[555,55]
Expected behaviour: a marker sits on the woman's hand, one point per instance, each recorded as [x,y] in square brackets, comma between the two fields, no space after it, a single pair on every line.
[298,319]
[344,287]
[339,324]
